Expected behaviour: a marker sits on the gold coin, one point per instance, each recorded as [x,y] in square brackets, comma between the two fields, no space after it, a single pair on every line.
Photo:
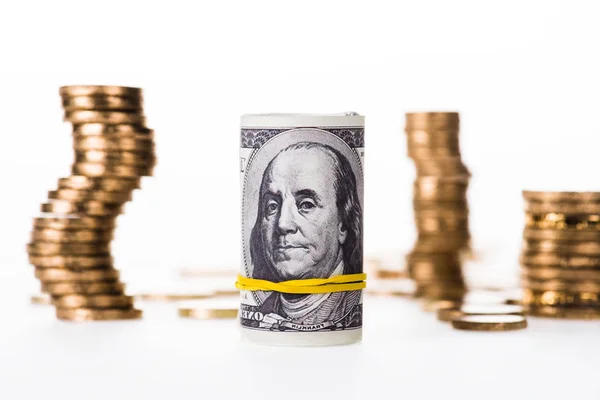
[70,236]
[441,243]
[444,290]
[384,273]
[146,159]
[562,197]
[104,117]
[73,222]
[538,259]
[562,247]
[419,138]
[555,234]
[80,182]
[98,287]
[451,258]
[562,208]
[208,313]
[425,153]
[85,143]
[100,90]
[432,190]
[450,314]
[87,195]
[559,221]
[430,305]
[94,301]
[111,170]
[65,275]
[587,313]
[92,314]
[71,249]
[561,273]
[443,224]
[562,285]
[112,130]
[558,298]
[490,323]
[102,103]
[439,209]
[446,167]
[71,262]
[174,296]
[91,208]
[431,121]
[41,299]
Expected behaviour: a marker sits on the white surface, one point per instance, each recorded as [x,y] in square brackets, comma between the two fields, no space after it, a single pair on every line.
[523,74]
[405,353]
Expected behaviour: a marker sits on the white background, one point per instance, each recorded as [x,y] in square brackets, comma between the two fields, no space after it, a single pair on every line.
[523,74]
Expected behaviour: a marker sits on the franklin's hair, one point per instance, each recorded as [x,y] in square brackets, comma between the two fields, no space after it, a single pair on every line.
[348,206]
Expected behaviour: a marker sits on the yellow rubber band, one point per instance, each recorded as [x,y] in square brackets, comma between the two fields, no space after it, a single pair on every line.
[340,283]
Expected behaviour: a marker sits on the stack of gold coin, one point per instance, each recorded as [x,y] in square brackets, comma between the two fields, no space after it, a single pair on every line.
[560,256]
[440,204]
[70,241]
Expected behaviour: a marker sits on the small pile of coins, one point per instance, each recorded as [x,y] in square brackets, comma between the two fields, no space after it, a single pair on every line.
[440,204]
[70,241]
[560,256]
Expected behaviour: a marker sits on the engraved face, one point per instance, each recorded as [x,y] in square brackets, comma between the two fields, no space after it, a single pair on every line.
[301,228]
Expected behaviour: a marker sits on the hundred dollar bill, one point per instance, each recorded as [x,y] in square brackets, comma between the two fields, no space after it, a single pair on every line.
[302,218]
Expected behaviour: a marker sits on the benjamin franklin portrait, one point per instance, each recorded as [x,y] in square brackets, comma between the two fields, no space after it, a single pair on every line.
[308,225]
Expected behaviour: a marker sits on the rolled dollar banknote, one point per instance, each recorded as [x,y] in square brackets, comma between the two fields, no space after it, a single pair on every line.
[301,275]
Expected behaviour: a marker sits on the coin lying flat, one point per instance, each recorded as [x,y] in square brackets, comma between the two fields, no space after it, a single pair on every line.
[558,298]
[584,313]
[451,166]
[112,170]
[81,182]
[74,222]
[450,314]
[100,90]
[42,299]
[65,275]
[490,323]
[102,103]
[541,273]
[533,260]
[432,152]
[89,208]
[71,236]
[383,273]
[68,249]
[562,197]
[428,189]
[85,143]
[208,313]
[563,208]
[441,243]
[70,262]
[100,287]
[116,157]
[562,285]
[93,301]
[568,235]
[75,195]
[91,314]
[589,248]
[175,296]
[105,117]
[435,225]
[561,221]
[431,121]
[112,130]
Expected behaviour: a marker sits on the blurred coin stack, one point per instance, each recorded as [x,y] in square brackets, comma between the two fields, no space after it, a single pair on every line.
[440,204]
[560,256]
[70,241]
